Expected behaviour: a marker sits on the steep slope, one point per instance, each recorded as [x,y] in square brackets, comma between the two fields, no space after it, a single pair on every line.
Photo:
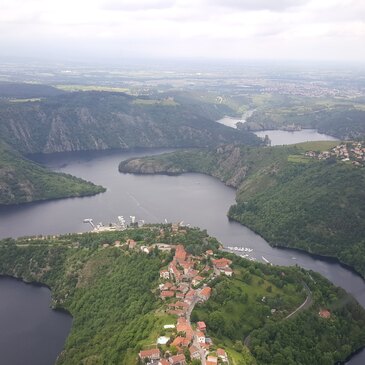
[318,206]
[23,181]
[103,120]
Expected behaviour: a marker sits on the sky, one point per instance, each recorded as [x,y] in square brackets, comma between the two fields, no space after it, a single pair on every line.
[318,30]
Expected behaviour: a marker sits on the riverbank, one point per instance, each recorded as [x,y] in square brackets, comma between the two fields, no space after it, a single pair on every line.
[80,267]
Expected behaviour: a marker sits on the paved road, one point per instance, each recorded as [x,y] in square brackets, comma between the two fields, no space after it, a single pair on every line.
[306,304]
[195,340]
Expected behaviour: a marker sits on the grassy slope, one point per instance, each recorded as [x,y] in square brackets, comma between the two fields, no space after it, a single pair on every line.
[23,181]
[288,199]
[111,294]
[236,308]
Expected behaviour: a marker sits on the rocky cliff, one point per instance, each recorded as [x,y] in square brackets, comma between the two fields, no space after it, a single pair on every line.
[101,120]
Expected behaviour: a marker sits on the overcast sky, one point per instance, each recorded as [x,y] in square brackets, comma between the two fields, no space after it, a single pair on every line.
[229,29]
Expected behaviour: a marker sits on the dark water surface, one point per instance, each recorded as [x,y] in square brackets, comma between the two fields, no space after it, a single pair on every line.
[193,198]
[30,331]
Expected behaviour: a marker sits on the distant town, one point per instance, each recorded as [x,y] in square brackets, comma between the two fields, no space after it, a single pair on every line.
[353,152]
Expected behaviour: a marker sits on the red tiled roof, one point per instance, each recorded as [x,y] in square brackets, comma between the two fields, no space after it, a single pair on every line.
[167,294]
[205,292]
[221,352]
[148,353]
[325,313]
[177,358]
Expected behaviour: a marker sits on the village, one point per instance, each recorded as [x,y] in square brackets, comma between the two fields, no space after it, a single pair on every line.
[353,152]
[183,284]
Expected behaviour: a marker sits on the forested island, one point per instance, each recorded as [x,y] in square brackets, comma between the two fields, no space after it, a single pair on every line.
[290,199]
[115,286]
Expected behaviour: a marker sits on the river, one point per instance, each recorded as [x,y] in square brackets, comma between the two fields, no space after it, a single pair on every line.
[196,199]
[30,331]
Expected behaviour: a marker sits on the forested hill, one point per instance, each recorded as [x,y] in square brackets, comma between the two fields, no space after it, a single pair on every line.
[111,290]
[23,181]
[96,120]
[293,201]
[43,119]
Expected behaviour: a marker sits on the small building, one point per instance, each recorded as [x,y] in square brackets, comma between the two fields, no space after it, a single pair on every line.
[163,362]
[153,354]
[324,313]
[226,271]
[205,293]
[131,244]
[165,274]
[200,336]
[167,294]
[211,360]
[194,352]
[177,360]
[180,342]
[201,326]
[222,355]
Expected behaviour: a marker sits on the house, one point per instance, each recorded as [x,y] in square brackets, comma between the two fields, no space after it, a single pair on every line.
[220,263]
[165,274]
[200,336]
[324,313]
[163,362]
[194,352]
[180,342]
[190,294]
[209,252]
[180,305]
[177,360]
[205,293]
[167,294]
[153,354]
[201,326]
[180,253]
[167,286]
[175,227]
[211,360]
[227,271]
[191,273]
[222,355]
[131,244]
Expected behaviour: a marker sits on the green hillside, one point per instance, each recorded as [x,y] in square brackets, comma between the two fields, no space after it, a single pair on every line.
[289,199]
[97,120]
[23,181]
[111,292]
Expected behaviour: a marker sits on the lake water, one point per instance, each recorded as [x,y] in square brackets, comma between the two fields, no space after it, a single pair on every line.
[30,331]
[282,137]
[193,198]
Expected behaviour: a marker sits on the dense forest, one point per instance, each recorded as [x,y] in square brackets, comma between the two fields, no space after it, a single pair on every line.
[23,181]
[290,200]
[97,120]
[111,293]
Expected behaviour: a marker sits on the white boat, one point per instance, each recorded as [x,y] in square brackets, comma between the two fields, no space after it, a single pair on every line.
[266,260]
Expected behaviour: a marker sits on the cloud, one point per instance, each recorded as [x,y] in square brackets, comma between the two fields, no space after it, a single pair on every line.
[252,5]
[133,5]
[186,28]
